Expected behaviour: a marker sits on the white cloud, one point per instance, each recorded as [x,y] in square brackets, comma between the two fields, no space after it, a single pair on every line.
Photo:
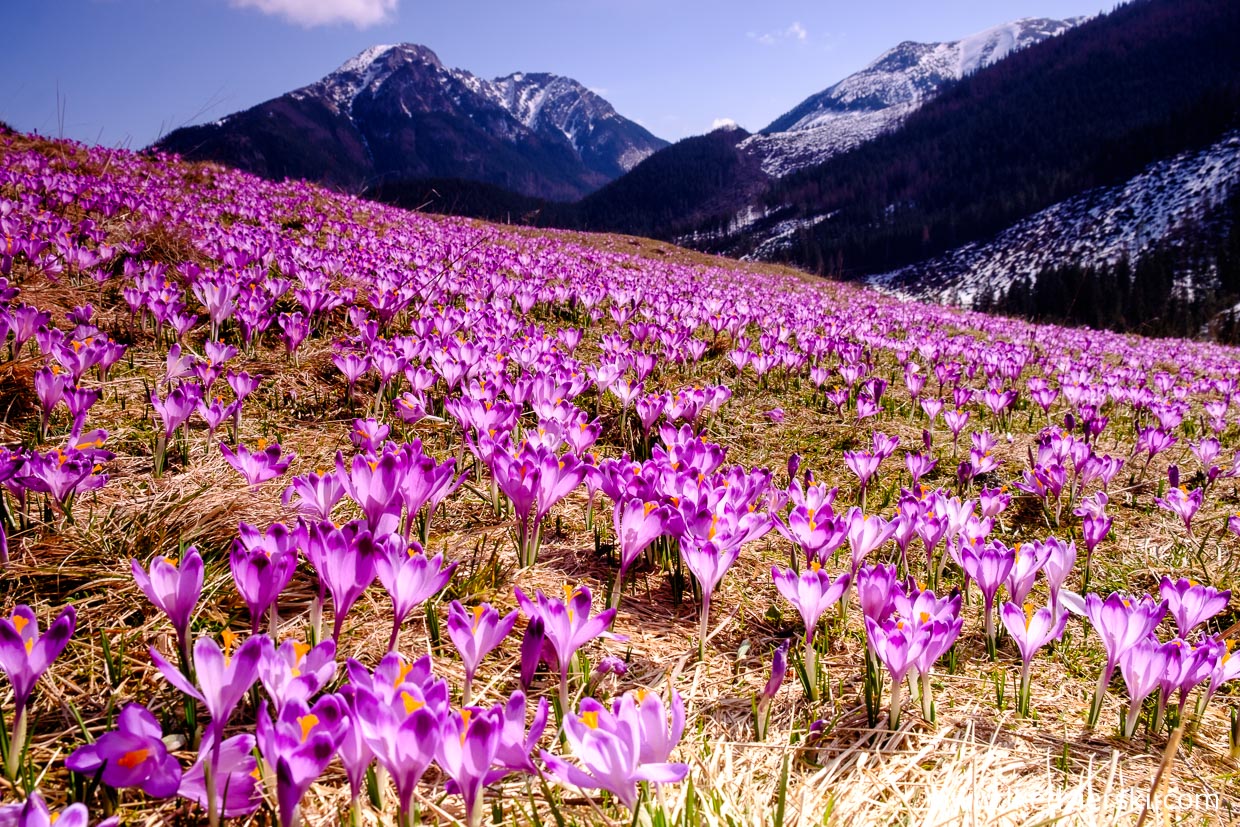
[722,123]
[795,32]
[360,13]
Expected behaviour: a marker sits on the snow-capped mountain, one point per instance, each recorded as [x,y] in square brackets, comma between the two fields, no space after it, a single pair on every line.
[395,112]
[1098,227]
[875,100]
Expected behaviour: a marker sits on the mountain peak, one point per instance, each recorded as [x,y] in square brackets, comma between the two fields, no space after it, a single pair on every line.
[391,52]
[876,99]
[395,112]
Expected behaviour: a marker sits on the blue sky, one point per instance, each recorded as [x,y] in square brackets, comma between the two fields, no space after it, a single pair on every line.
[127,70]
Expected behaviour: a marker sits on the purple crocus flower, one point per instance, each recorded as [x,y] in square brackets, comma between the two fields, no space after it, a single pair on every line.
[516,742]
[709,562]
[401,730]
[175,409]
[132,755]
[1029,559]
[1183,503]
[876,590]
[234,777]
[762,702]
[173,589]
[1142,666]
[989,565]
[811,592]
[33,812]
[354,751]
[295,671]
[49,386]
[660,726]
[608,746]
[637,525]
[24,656]
[223,676]
[264,464]
[465,750]
[215,414]
[262,566]
[410,579]
[867,533]
[316,493]
[1031,629]
[373,485]
[813,527]
[531,650]
[368,434]
[935,624]
[475,633]
[1192,604]
[346,567]
[298,745]
[1058,566]
[1187,667]
[895,645]
[567,626]
[1122,622]
[243,384]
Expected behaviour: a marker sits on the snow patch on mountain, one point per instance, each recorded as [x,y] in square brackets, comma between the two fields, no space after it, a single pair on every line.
[875,100]
[1097,227]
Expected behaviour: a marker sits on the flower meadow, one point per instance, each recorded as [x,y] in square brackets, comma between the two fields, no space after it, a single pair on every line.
[316,511]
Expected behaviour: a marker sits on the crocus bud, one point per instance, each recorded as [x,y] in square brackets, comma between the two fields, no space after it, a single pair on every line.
[1173,476]
[794,465]
[531,651]
[779,668]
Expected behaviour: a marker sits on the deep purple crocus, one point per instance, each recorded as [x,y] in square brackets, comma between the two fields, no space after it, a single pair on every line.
[132,755]
[297,746]
[566,625]
[346,569]
[262,565]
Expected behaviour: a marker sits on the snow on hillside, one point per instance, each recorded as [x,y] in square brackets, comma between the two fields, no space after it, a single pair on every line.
[1097,227]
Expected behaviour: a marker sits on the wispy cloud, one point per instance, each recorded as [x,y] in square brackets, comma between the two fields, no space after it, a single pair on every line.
[360,13]
[795,32]
[721,123]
